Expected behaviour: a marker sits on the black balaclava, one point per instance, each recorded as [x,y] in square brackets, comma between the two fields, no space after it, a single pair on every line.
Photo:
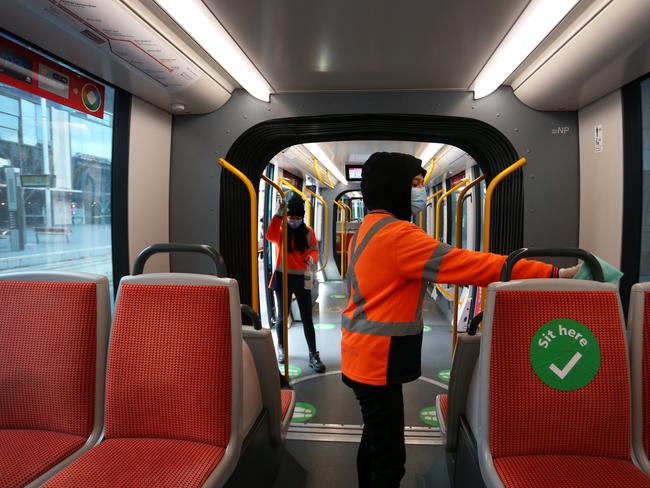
[297,238]
[386,182]
[296,206]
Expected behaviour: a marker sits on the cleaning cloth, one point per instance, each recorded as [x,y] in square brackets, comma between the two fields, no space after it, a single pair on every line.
[611,274]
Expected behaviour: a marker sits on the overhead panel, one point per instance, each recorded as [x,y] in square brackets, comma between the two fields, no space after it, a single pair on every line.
[367,44]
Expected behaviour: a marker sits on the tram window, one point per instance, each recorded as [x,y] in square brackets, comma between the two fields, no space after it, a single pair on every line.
[55,185]
[644,271]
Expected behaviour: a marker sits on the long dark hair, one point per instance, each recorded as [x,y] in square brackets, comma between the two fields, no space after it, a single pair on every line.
[297,238]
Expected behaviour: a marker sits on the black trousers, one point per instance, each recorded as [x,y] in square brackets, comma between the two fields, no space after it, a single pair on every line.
[382,454]
[303,297]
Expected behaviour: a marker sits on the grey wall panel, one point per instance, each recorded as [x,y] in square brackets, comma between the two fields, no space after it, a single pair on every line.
[548,139]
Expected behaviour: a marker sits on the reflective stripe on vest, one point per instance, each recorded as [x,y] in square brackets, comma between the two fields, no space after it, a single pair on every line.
[359,322]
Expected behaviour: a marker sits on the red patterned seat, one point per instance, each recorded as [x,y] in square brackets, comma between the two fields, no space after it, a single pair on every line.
[287,397]
[170,400]
[51,379]
[639,328]
[579,425]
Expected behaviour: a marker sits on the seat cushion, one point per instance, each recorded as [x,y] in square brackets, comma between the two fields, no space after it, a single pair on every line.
[286,396]
[569,471]
[141,463]
[27,454]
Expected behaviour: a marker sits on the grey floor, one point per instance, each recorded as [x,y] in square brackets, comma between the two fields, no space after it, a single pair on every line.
[332,464]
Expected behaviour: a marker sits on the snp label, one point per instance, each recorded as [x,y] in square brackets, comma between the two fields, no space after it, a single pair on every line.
[565,354]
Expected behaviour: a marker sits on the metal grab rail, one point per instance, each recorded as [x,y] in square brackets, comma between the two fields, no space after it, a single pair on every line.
[212,253]
[326,209]
[345,241]
[429,202]
[302,195]
[320,176]
[343,248]
[285,280]
[255,298]
[444,292]
[459,235]
[442,199]
[488,209]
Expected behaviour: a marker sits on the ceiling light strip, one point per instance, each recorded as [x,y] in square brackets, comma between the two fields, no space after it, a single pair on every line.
[535,23]
[199,22]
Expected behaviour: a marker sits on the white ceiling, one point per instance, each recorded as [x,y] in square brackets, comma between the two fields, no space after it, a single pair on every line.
[367,44]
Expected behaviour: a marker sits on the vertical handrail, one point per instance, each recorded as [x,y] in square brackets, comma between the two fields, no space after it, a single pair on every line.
[326,211]
[302,195]
[338,204]
[442,199]
[345,240]
[459,235]
[488,209]
[430,173]
[253,224]
[431,197]
[320,176]
[285,280]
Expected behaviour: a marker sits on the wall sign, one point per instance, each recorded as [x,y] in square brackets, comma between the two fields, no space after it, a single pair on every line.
[33,73]
[598,138]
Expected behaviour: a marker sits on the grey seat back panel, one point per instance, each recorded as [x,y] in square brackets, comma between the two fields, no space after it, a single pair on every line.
[260,343]
[462,368]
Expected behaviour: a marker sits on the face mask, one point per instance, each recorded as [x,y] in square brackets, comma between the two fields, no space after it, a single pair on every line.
[418,200]
[294,224]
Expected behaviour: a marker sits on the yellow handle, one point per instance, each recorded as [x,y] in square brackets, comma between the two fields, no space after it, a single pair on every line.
[302,195]
[253,223]
[442,199]
[459,236]
[285,281]
[343,248]
[326,211]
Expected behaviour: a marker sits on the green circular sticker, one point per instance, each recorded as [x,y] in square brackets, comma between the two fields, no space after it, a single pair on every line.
[338,296]
[324,326]
[427,328]
[294,371]
[564,354]
[303,412]
[428,416]
[444,375]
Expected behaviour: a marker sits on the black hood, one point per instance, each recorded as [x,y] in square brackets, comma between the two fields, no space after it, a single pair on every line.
[296,206]
[386,182]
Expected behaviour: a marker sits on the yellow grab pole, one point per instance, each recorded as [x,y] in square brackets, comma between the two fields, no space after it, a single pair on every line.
[338,204]
[320,176]
[444,292]
[326,212]
[434,195]
[345,240]
[285,281]
[329,178]
[488,208]
[302,195]
[253,217]
[430,173]
[442,199]
[459,235]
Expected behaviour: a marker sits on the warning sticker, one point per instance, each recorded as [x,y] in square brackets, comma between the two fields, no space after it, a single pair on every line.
[303,412]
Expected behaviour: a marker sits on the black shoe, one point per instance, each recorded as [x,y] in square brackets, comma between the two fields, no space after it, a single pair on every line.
[315,362]
[280,354]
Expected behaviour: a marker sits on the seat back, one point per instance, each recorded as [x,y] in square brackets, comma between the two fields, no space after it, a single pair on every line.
[553,371]
[175,360]
[53,336]
[639,333]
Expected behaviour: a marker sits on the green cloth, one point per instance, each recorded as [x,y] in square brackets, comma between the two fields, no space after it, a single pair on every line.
[611,274]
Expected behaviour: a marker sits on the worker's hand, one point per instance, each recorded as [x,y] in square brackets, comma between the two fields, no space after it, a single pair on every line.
[282,209]
[569,272]
[310,261]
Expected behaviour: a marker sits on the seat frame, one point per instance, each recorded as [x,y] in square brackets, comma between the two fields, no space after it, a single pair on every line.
[103,321]
[636,319]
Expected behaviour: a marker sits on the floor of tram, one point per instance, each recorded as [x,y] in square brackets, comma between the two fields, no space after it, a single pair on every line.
[326,426]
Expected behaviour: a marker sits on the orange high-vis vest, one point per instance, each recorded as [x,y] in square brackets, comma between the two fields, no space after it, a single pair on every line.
[390,263]
[296,261]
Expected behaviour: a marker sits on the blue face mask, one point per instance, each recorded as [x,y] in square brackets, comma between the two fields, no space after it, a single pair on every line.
[418,200]
[294,224]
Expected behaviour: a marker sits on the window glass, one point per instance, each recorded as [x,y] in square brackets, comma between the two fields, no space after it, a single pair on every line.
[644,271]
[55,185]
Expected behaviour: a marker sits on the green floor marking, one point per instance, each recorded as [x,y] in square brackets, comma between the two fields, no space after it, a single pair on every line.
[427,328]
[564,354]
[294,371]
[324,326]
[303,412]
[428,416]
[338,296]
[444,375]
